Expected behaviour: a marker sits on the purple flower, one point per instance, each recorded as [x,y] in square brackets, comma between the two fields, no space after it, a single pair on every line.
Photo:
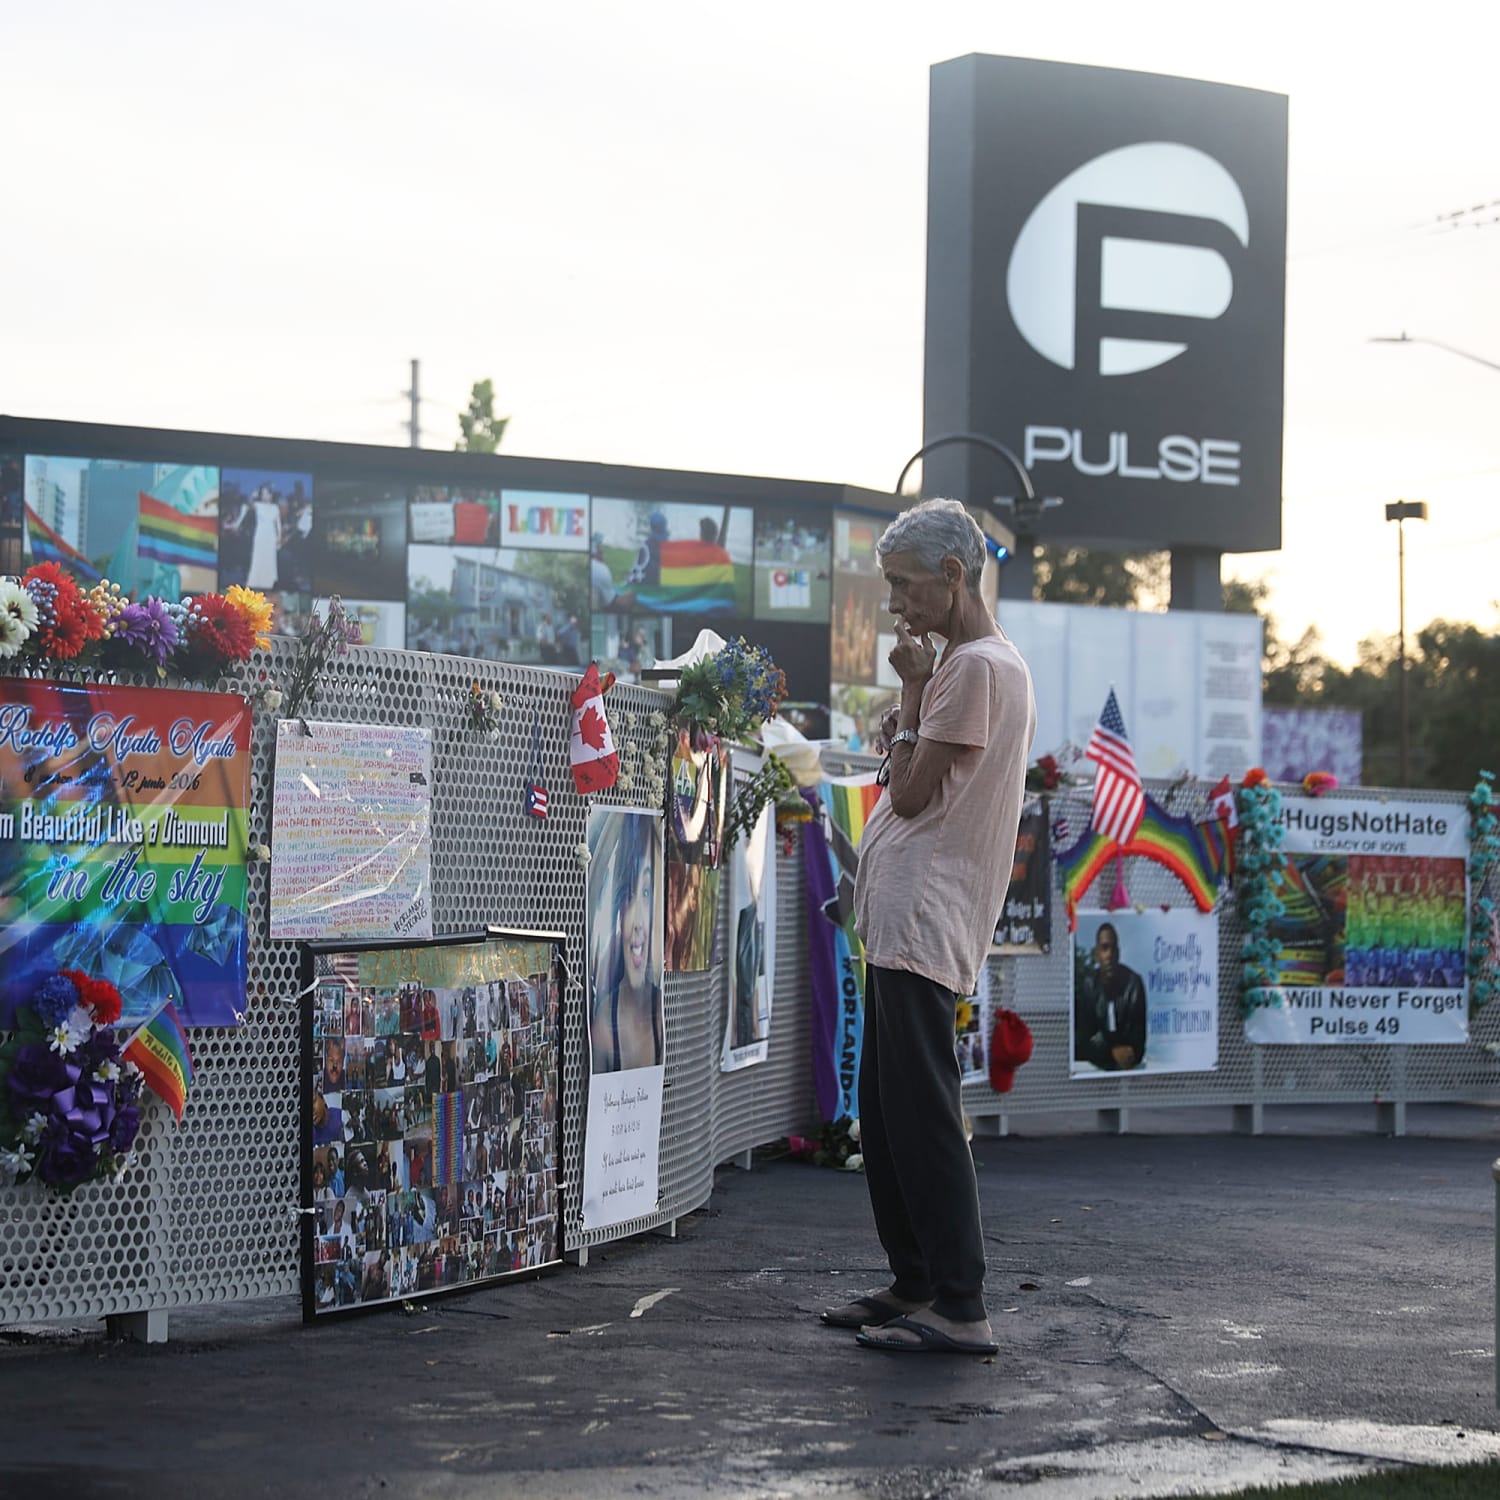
[149,628]
[35,1077]
[65,1157]
[54,1000]
[123,1129]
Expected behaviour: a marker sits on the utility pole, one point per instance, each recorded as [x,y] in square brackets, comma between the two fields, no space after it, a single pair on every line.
[414,395]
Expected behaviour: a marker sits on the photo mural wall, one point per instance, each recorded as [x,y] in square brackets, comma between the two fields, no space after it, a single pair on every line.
[539,577]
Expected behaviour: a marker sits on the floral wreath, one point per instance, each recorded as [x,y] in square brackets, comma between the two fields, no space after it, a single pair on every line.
[69,1106]
[1256,859]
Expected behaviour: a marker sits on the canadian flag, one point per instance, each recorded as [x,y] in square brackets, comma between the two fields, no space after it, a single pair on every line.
[592,747]
[1221,804]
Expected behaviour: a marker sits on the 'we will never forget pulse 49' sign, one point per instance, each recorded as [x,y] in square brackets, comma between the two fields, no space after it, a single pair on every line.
[122,845]
[1371,936]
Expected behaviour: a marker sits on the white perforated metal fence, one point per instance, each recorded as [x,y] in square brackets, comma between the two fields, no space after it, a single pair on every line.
[211,1215]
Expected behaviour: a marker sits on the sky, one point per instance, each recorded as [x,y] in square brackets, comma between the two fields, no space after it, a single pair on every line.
[693,236]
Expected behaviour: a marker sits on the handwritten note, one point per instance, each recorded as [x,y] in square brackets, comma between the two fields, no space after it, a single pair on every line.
[350,832]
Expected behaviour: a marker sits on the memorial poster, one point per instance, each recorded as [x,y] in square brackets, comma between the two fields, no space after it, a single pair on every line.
[1025,924]
[350,832]
[431,1117]
[623,966]
[747,1025]
[1145,993]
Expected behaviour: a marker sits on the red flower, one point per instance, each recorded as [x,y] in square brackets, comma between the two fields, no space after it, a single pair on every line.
[217,632]
[69,620]
[1255,777]
[97,996]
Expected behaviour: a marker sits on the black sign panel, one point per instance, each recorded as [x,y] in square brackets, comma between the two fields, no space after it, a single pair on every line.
[1106,295]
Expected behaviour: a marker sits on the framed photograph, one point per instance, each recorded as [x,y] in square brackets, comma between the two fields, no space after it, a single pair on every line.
[432,1134]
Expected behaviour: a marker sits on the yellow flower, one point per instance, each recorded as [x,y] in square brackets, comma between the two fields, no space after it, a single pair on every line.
[256,609]
[964,1017]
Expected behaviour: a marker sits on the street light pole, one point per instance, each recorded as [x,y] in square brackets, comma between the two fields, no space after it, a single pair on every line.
[1402,511]
[1407,338]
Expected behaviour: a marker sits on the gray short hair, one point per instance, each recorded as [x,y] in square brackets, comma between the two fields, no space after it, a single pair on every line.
[936,529]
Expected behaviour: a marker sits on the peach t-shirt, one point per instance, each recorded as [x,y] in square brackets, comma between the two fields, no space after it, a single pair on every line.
[930,887]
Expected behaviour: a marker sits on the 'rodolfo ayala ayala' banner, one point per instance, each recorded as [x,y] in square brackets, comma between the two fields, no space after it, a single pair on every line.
[1370,944]
[122,844]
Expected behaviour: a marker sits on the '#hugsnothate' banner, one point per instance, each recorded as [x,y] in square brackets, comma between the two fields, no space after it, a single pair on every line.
[122,845]
[1370,937]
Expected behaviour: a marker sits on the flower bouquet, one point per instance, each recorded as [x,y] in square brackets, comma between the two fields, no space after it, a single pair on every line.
[47,619]
[69,1107]
[731,692]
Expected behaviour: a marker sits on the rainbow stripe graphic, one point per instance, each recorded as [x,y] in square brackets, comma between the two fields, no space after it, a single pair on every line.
[850,804]
[181,541]
[447,1138]
[160,1050]
[45,545]
[696,578]
[1200,855]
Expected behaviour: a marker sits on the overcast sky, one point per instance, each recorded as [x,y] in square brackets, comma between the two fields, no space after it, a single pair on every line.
[692,236]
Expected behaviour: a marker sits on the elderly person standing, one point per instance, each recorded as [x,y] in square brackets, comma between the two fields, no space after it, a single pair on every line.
[933,867]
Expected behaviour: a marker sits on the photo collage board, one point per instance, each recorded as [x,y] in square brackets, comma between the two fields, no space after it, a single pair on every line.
[535,577]
[432,1134]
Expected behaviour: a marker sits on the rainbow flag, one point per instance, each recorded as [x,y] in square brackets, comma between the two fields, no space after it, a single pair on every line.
[160,1050]
[1198,854]
[696,578]
[447,1138]
[45,546]
[169,536]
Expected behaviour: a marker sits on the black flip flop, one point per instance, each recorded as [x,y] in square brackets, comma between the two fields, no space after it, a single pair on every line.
[930,1340]
[881,1313]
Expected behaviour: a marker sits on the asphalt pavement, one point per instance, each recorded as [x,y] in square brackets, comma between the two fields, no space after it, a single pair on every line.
[1180,1310]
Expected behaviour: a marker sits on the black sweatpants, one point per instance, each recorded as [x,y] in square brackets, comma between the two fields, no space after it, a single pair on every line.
[917,1158]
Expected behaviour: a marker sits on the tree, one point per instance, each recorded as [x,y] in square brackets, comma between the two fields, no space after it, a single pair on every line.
[480,430]
[1087,575]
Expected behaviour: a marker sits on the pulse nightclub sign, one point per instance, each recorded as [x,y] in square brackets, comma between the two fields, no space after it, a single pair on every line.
[1105,295]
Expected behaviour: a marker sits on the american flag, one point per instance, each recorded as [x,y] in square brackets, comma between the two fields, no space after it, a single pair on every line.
[1119,799]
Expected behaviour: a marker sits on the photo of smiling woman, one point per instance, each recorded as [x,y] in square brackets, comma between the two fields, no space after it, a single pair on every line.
[625,947]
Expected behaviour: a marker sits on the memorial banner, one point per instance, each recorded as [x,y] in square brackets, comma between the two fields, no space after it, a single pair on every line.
[1371,939]
[350,832]
[122,845]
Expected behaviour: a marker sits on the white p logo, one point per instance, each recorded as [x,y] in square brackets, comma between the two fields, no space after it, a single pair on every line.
[1122,250]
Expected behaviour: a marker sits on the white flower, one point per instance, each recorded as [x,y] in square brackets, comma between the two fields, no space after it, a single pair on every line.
[18,617]
[80,1022]
[14,1164]
[133,1068]
[855,1163]
[625,780]
[107,1071]
[854,1131]
[63,1040]
[495,701]
[33,1128]
[261,852]
[628,720]
[584,854]
[270,700]
[657,719]
[123,1164]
